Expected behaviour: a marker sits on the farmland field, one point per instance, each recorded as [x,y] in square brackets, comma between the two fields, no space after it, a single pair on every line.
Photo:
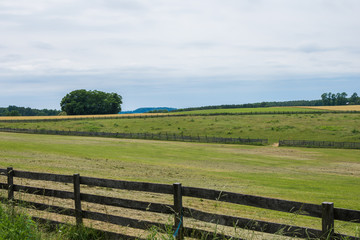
[195,112]
[306,175]
[250,110]
[322,127]
[272,170]
[299,174]
[338,108]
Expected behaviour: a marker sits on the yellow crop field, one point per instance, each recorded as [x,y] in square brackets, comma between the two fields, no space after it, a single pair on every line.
[338,108]
[77,116]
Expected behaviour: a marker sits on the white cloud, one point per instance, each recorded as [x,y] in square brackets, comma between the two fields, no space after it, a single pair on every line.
[139,43]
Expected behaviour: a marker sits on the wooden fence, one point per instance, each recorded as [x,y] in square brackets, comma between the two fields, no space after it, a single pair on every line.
[326,211]
[150,136]
[319,144]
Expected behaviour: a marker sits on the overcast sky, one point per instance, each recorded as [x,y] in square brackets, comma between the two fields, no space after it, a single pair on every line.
[178,53]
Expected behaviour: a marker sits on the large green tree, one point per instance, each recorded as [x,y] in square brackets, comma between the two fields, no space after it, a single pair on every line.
[82,102]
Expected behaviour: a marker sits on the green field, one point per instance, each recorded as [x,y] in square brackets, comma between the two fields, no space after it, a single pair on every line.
[306,175]
[249,110]
[310,175]
[323,127]
[300,174]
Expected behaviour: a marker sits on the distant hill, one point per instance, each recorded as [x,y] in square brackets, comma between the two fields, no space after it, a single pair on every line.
[149,109]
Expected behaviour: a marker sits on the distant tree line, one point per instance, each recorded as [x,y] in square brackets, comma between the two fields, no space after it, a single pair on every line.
[327,99]
[22,111]
[257,105]
[332,99]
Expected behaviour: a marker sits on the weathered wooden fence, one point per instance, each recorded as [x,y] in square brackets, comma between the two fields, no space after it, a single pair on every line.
[326,211]
[150,136]
[319,144]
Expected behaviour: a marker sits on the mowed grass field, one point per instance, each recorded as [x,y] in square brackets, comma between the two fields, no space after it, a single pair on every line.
[306,175]
[274,127]
[310,175]
[299,174]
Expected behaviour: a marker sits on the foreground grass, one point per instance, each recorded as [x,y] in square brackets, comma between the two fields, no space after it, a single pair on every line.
[321,127]
[15,224]
[305,175]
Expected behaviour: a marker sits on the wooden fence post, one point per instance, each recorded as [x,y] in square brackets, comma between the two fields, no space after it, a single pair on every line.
[178,219]
[10,182]
[327,220]
[77,199]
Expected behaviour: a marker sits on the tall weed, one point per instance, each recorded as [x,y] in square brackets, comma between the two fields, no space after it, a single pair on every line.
[16,224]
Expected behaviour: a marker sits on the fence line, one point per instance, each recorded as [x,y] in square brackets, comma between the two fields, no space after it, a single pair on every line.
[185,138]
[149,136]
[326,211]
[319,144]
[173,115]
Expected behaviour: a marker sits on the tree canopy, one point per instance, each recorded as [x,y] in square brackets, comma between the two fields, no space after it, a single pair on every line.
[83,102]
[331,99]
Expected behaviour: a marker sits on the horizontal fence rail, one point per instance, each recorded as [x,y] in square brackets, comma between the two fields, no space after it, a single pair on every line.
[255,201]
[149,136]
[155,115]
[319,144]
[326,211]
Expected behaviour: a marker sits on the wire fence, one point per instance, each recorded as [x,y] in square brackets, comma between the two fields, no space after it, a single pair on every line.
[319,144]
[148,136]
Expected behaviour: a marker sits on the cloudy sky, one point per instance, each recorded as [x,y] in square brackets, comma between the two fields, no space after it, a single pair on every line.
[178,53]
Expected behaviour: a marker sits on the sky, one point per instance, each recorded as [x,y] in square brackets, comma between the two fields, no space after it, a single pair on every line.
[178,53]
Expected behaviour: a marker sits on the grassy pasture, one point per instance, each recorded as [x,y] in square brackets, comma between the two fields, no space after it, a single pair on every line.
[204,112]
[322,127]
[250,110]
[267,171]
[212,111]
[306,175]
[196,112]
